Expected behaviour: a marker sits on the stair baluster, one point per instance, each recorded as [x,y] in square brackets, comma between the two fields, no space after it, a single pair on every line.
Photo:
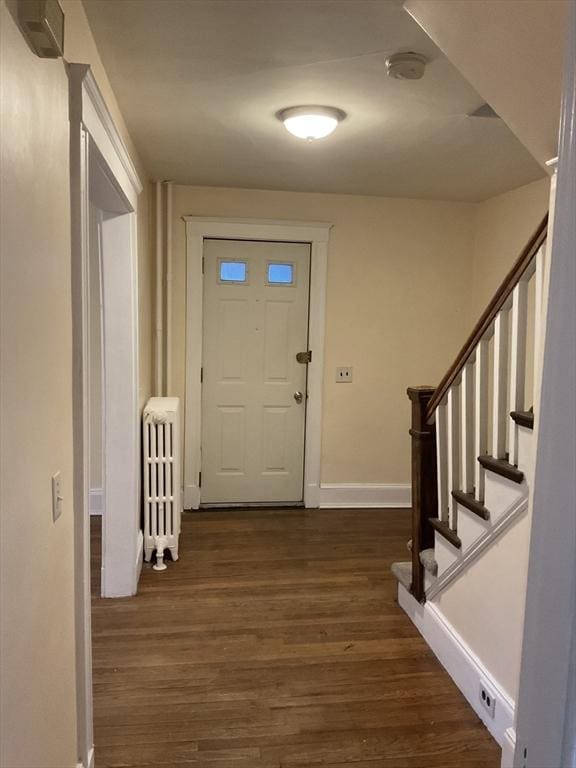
[480,415]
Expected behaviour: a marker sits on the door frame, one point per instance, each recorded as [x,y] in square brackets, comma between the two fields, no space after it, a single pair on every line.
[98,152]
[317,235]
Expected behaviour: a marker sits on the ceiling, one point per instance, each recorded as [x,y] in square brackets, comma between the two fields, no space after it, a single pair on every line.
[199,83]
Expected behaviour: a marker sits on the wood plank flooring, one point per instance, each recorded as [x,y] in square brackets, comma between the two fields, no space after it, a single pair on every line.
[276,642]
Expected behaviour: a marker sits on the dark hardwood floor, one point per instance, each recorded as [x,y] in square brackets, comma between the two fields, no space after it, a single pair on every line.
[276,642]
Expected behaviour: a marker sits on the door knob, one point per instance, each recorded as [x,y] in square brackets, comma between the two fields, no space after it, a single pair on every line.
[298,396]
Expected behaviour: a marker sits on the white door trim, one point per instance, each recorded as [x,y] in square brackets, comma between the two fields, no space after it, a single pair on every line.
[315,233]
[92,134]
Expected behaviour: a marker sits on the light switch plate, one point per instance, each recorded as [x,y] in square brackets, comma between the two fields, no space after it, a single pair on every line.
[343,375]
[56,496]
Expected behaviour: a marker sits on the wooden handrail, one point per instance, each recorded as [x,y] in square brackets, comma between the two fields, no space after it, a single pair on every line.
[498,301]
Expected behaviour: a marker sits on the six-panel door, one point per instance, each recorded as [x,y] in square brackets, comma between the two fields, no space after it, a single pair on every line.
[255,322]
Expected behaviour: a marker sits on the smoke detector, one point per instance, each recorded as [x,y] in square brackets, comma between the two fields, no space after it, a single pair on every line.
[406,66]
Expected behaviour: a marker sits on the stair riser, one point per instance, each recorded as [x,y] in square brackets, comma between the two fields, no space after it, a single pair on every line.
[501,493]
[526,450]
[444,553]
[428,580]
[470,527]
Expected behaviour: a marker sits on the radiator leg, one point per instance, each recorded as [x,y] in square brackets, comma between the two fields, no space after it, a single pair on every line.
[148,553]
[160,542]
[174,552]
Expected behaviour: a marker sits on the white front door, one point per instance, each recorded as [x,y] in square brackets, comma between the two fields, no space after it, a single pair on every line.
[254,390]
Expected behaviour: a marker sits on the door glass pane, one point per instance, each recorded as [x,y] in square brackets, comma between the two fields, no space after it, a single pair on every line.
[281,274]
[233,271]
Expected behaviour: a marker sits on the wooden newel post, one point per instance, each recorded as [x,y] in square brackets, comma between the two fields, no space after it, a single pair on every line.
[424,488]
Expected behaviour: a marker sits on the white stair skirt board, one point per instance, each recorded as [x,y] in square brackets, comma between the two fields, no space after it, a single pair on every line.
[462,665]
[448,571]
[508,747]
[364,495]
[96,501]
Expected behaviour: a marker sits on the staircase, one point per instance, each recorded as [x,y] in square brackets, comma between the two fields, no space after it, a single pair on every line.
[472,436]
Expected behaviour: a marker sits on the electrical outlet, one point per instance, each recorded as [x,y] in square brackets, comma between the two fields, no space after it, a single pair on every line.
[487,698]
[56,496]
[343,375]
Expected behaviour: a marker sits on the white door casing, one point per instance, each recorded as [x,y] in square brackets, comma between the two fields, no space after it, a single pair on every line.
[100,163]
[253,390]
[314,233]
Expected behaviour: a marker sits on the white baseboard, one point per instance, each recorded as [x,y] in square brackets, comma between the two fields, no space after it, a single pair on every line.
[96,501]
[463,666]
[191,497]
[337,496]
[90,761]
[139,557]
[508,748]
[364,495]
[312,496]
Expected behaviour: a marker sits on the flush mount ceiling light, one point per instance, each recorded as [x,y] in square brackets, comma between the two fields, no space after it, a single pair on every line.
[311,122]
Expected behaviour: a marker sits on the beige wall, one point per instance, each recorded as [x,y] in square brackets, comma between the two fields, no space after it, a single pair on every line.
[38,720]
[503,226]
[398,275]
[37,635]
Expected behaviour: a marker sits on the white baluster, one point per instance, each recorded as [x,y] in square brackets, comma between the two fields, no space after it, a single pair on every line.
[517,363]
[538,316]
[442,461]
[453,421]
[480,415]
[500,396]
[467,428]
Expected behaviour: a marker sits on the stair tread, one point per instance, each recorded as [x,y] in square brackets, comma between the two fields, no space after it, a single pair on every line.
[445,530]
[429,561]
[467,500]
[403,573]
[523,418]
[502,467]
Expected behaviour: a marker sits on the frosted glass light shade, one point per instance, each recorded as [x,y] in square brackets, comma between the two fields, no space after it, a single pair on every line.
[311,123]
